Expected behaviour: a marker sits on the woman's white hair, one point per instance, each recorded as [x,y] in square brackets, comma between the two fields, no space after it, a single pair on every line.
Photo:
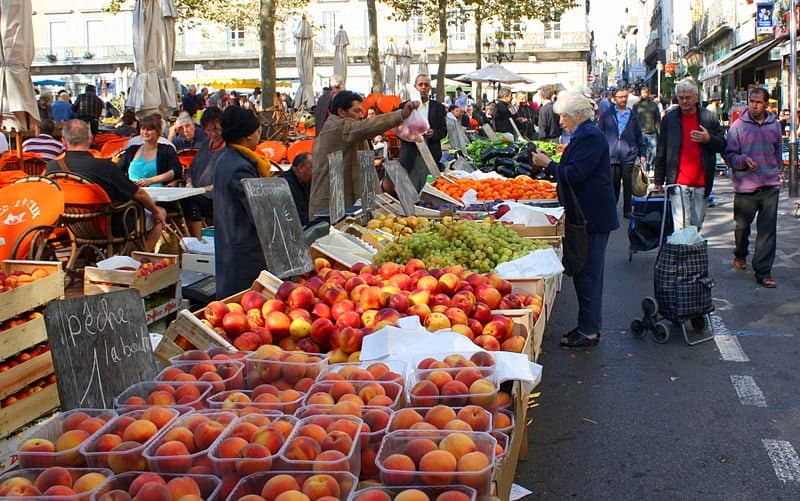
[574,104]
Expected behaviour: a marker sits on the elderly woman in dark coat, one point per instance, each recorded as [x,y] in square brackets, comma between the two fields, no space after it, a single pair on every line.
[585,166]
[239,258]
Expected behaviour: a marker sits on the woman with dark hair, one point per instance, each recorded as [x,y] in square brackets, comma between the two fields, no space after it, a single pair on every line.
[151,163]
[129,126]
[201,172]
[238,255]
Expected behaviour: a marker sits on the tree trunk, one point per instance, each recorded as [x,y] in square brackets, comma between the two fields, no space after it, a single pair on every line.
[267,38]
[478,55]
[373,54]
[440,73]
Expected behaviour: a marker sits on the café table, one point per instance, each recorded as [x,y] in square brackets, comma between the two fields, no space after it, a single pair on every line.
[175,228]
[171,194]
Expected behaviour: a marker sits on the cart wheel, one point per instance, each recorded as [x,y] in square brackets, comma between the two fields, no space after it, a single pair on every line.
[698,323]
[649,306]
[661,332]
[637,328]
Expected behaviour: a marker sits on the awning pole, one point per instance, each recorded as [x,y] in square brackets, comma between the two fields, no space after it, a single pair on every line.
[793,99]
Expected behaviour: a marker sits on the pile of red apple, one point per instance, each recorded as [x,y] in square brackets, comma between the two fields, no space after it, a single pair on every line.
[333,310]
[14,279]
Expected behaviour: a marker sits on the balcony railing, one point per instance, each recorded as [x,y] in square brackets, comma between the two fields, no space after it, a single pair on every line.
[249,48]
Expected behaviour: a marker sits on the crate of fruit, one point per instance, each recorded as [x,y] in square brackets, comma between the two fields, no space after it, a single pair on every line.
[27,285]
[145,271]
[20,333]
[28,366]
[26,405]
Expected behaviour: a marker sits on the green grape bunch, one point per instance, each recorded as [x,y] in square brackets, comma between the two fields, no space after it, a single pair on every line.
[476,245]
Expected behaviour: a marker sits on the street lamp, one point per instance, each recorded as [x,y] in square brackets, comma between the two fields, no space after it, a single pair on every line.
[659,69]
[502,52]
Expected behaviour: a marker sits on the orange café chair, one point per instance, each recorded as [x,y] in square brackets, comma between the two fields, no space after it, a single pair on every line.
[274,150]
[27,208]
[298,147]
[113,146]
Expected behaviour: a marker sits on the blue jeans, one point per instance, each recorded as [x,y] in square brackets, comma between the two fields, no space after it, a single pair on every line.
[652,142]
[589,285]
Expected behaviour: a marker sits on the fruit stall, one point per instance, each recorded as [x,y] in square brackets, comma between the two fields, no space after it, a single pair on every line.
[309,388]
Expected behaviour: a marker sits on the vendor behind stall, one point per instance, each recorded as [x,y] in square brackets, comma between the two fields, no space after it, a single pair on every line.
[346,130]
[239,258]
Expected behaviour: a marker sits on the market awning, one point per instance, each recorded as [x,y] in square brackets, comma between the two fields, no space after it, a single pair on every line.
[749,55]
[712,69]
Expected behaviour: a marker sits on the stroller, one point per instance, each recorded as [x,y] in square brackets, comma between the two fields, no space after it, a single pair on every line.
[644,227]
[682,290]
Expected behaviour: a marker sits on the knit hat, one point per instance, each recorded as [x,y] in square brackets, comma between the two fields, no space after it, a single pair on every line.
[237,123]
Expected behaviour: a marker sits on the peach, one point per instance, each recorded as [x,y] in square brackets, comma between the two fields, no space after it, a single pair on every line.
[331,460]
[70,440]
[440,415]
[348,407]
[174,464]
[38,445]
[482,393]
[284,426]
[457,425]
[312,430]
[457,444]
[320,398]
[292,496]
[321,485]
[127,456]
[370,390]
[251,497]
[277,485]
[254,458]
[74,420]
[475,416]
[140,431]
[424,394]
[341,388]
[404,419]
[22,490]
[442,462]
[375,495]
[418,447]
[452,496]
[502,401]
[91,425]
[423,426]
[376,419]
[55,475]
[337,440]
[106,442]
[399,470]
[135,401]
[302,449]
[58,490]
[437,321]
[468,375]
[115,495]
[487,342]
[471,463]
[270,437]
[153,492]
[456,393]
[143,479]
[229,448]
[500,420]
[160,397]
[187,394]
[88,481]
[206,433]
[439,378]
[244,430]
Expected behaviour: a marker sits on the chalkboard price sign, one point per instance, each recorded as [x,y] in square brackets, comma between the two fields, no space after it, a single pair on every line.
[278,226]
[336,186]
[369,181]
[100,345]
[402,186]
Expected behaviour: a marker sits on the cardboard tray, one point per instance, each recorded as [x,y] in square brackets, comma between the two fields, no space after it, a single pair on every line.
[27,410]
[34,294]
[98,281]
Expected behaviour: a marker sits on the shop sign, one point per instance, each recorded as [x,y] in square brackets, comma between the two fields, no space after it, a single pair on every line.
[764,23]
[670,69]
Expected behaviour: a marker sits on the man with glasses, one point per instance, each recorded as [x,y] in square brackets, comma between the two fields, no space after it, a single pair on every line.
[690,139]
[410,157]
[754,154]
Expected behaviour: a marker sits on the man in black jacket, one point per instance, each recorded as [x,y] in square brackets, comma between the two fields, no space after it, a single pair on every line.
[690,139]
[650,120]
[501,121]
[549,129]
[299,180]
[410,157]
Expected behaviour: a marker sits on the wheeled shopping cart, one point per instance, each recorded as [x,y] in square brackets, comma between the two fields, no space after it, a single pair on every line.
[644,227]
[682,289]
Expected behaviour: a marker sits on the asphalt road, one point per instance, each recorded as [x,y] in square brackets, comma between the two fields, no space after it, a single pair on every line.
[632,419]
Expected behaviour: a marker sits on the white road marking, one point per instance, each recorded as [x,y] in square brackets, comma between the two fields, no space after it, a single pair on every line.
[727,344]
[784,459]
[748,391]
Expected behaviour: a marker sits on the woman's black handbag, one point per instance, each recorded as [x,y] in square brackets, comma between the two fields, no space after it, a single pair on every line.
[576,246]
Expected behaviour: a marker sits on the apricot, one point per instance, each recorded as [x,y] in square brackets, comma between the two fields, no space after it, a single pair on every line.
[277,485]
[400,469]
[55,475]
[88,481]
[500,420]
[140,431]
[469,465]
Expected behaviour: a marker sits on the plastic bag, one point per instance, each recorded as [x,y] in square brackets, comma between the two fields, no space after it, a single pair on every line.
[686,236]
[416,124]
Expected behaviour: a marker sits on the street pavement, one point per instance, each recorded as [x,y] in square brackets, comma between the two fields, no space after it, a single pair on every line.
[633,419]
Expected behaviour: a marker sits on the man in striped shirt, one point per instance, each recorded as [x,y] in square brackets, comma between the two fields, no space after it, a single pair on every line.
[754,155]
[44,145]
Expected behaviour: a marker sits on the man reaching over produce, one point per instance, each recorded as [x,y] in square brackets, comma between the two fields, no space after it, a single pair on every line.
[410,157]
[346,130]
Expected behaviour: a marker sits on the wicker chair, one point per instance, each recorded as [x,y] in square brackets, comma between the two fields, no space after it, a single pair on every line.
[88,214]
[32,163]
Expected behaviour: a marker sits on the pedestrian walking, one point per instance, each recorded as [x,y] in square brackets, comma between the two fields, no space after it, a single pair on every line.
[584,172]
[754,154]
[690,139]
[626,145]
[649,116]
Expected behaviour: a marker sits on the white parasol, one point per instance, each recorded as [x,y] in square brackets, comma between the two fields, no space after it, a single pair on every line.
[390,68]
[340,42]
[405,71]
[494,73]
[305,65]
[17,101]
[153,88]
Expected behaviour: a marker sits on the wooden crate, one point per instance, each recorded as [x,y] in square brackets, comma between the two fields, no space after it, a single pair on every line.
[27,410]
[523,326]
[20,376]
[166,308]
[21,337]
[98,281]
[518,443]
[545,287]
[200,335]
[34,294]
